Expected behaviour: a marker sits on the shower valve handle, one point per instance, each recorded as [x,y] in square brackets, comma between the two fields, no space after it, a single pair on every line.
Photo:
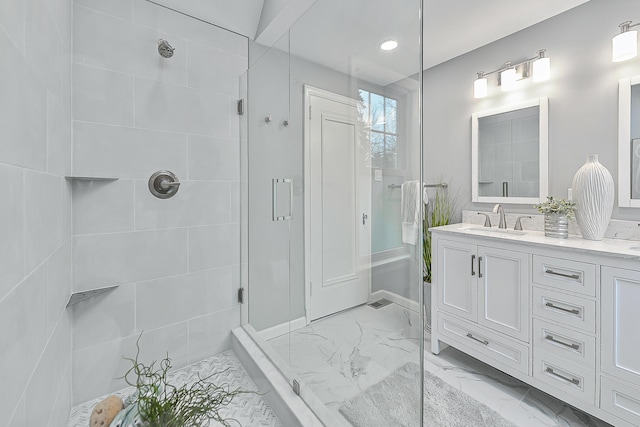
[165,183]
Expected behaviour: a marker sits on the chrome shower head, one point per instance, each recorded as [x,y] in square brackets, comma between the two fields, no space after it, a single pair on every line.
[164,48]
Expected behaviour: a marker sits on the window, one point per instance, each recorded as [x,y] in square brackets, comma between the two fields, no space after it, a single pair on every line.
[379,114]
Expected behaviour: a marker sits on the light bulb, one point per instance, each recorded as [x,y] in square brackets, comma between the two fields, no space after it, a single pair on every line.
[508,79]
[480,87]
[624,46]
[541,69]
[389,45]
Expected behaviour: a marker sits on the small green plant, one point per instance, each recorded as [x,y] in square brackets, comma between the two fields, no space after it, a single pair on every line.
[161,404]
[439,211]
[555,206]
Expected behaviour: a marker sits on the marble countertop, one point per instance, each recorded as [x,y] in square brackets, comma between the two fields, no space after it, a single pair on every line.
[629,249]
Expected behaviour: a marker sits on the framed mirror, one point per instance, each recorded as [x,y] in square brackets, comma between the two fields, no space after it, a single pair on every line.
[509,153]
[629,143]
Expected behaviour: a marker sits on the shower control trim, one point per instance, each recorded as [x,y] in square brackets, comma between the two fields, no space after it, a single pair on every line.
[164,184]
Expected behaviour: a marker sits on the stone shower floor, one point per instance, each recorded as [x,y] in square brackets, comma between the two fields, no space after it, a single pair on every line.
[340,356]
[248,409]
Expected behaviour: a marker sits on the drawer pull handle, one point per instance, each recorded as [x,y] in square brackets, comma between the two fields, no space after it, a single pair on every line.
[572,311]
[573,346]
[480,267]
[473,261]
[571,380]
[485,342]
[570,276]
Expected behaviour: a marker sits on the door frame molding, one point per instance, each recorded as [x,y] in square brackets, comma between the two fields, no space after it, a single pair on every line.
[310,91]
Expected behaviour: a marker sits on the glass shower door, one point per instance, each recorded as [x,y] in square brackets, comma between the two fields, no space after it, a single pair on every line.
[269,191]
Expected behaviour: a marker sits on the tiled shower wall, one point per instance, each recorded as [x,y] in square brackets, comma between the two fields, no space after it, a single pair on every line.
[35,212]
[177,260]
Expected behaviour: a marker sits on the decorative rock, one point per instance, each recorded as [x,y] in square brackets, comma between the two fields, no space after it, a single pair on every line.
[105,411]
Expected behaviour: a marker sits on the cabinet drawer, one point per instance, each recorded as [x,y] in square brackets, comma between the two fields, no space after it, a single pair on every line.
[565,309]
[564,274]
[574,347]
[490,344]
[620,400]
[566,376]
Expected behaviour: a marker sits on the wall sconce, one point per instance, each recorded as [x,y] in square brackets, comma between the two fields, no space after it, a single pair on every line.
[625,44]
[539,67]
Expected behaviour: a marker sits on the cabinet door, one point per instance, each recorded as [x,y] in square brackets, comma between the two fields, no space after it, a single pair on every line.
[620,297]
[503,291]
[457,279]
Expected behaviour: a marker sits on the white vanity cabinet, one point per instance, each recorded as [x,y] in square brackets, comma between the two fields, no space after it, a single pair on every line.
[561,315]
[486,290]
[620,392]
[485,285]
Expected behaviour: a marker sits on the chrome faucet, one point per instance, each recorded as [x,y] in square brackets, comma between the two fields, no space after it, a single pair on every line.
[500,210]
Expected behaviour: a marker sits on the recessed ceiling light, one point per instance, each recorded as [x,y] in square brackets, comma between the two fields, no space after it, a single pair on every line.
[389,45]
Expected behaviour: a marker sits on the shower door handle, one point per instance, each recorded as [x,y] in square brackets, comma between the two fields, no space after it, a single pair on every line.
[274,199]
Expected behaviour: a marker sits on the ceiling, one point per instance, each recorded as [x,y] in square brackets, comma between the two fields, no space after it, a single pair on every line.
[345,34]
[453,31]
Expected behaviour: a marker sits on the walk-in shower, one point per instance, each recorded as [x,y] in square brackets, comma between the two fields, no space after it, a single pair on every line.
[332,132]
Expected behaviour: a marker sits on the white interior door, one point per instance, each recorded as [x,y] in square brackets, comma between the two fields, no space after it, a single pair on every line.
[338,205]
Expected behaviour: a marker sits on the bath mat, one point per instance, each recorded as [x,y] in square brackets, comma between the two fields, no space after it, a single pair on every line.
[392,402]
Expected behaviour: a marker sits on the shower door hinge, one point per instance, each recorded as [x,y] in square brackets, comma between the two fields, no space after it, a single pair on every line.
[241,107]
[241,295]
[296,387]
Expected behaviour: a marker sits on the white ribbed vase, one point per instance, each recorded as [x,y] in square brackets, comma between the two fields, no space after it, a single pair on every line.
[593,192]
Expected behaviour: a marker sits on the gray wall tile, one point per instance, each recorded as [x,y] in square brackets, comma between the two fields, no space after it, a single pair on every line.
[174,108]
[22,335]
[59,284]
[114,44]
[106,317]
[211,334]
[196,203]
[117,8]
[102,96]
[58,137]
[214,158]
[123,152]
[105,365]
[174,299]
[43,216]
[103,206]
[214,246]
[204,70]
[108,259]
[23,111]
[11,228]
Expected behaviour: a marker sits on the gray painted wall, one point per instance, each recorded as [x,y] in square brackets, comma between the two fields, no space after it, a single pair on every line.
[582,92]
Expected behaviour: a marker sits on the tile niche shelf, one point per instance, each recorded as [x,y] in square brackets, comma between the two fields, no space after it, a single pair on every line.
[80,296]
[90,178]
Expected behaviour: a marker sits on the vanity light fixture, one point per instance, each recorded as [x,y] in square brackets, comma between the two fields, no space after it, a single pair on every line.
[508,78]
[480,86]
[625,44]
[389,45]
[538,67]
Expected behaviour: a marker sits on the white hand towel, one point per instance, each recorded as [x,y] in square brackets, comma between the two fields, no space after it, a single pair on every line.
[410,211]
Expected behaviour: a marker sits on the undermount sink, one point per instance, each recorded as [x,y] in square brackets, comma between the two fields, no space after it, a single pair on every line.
[498,230]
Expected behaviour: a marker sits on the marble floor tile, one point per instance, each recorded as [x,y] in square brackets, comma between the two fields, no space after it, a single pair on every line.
[340,356]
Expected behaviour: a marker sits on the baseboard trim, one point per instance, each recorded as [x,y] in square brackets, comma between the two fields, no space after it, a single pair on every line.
[283,328]
[398,299]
